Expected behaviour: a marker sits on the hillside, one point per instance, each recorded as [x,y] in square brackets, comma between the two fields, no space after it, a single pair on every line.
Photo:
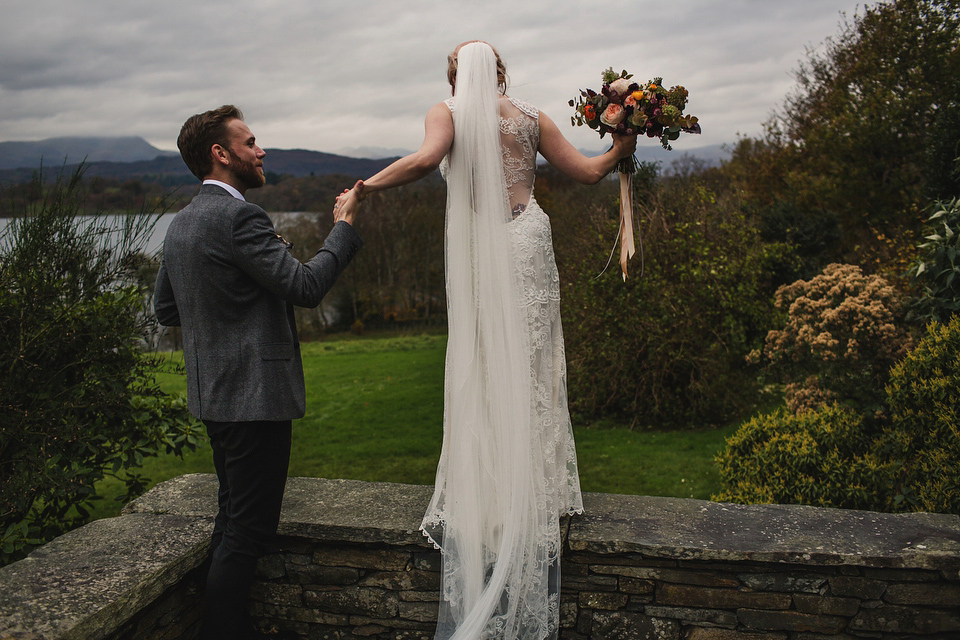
[168,169]
[133,158]
[650,151]
[53,152]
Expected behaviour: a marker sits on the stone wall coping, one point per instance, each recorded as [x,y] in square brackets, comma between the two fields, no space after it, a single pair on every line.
[90,582]
[313,508]
[85,583]
[688,529]
[675,528]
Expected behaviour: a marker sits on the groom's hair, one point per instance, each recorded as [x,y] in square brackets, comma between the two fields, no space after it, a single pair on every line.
[200,132]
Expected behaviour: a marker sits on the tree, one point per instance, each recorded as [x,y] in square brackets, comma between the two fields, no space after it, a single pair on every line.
[399,278]
[871,132]
[665,348]
[78,399]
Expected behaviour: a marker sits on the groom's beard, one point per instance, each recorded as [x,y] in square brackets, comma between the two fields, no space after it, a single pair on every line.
[248,173]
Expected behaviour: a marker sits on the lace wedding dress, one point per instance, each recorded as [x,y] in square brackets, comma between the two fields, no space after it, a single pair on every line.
[507,471]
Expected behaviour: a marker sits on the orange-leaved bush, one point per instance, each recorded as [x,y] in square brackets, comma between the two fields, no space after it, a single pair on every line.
[843,333]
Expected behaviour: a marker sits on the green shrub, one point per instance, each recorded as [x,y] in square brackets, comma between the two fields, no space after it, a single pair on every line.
[832,456]
[936,272]
[842,334]
[922,446]
[819,457]
[78,399]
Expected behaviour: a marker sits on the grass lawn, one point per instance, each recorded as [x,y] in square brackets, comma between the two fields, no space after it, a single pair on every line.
[375,410]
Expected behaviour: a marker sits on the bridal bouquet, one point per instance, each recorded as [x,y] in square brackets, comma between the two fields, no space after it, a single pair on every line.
[626,107]
[630,108]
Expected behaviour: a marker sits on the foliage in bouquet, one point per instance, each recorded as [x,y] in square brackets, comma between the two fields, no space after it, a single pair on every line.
[626,107]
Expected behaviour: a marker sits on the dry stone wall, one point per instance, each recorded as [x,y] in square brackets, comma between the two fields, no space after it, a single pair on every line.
[350,564]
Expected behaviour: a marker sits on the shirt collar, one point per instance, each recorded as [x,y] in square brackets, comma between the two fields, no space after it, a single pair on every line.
[230,189]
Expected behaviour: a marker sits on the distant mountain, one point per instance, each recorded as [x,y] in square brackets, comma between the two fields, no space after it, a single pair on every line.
[651,151]
[134,158]
[374,153]
[300,162]
[52,152]
[168,169]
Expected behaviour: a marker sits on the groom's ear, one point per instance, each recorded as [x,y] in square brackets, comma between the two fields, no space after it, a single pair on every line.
[219,155]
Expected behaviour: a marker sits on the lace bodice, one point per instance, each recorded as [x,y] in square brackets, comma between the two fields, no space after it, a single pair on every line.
[519,141]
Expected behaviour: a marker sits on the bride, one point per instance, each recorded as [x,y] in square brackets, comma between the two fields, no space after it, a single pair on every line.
[508,469]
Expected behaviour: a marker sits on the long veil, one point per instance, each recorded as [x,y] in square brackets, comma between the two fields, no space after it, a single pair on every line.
[489,512]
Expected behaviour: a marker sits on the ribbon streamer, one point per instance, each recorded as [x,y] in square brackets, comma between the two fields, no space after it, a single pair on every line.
[627,248]
[625,236]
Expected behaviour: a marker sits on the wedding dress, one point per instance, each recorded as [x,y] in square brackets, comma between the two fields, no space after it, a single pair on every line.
[507,470]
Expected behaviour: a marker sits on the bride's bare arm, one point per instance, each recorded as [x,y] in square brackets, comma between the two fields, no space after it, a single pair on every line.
[562,155]
[438,136]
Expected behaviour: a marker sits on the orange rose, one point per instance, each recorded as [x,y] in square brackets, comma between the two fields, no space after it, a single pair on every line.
[590,112]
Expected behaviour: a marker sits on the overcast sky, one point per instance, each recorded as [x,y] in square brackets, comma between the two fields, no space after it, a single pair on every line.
[324,75]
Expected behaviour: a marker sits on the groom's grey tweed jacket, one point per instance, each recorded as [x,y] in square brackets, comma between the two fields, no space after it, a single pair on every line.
[229,281]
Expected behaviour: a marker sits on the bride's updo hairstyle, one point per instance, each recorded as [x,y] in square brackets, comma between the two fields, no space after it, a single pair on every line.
[452,67]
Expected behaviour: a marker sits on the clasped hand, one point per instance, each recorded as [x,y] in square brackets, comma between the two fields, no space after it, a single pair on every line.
[348,204]
[626,145]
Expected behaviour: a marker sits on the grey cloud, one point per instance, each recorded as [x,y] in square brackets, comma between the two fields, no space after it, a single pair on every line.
[325,75]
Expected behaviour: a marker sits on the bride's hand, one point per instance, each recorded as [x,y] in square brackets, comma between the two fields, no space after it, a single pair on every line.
[348,204]
[625,145]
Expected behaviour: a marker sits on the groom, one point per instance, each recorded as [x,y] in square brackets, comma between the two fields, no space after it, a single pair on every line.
[230,282]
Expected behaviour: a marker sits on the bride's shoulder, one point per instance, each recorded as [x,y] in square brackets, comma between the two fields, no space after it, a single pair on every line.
[442,110]
[526,107]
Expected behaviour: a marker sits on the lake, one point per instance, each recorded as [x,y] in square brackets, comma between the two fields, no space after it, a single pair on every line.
[155,242]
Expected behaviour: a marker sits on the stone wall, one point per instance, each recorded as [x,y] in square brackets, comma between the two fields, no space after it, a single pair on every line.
[351,564]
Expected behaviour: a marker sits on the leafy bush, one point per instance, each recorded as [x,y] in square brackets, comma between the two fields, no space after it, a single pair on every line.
[666,347]
[817,457]
[78,400]
[921,448]
[936,271]
[842,334]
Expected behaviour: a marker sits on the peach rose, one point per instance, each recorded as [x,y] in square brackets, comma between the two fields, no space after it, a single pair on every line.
[612,115]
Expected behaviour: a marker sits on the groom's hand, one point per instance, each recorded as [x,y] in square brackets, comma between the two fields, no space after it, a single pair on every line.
[348,204]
